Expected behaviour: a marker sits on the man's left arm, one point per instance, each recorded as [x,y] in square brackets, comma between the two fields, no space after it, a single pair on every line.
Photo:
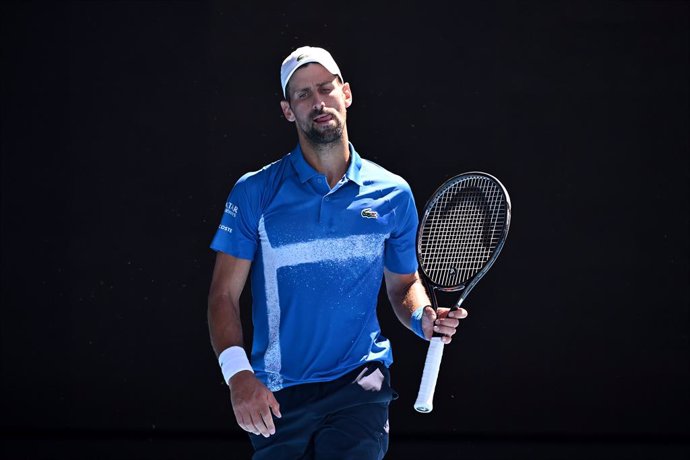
[406,294]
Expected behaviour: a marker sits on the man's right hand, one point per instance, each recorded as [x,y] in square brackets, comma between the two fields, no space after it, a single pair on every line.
[253,404]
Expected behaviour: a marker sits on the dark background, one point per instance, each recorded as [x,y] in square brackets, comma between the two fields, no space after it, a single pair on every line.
[125,124]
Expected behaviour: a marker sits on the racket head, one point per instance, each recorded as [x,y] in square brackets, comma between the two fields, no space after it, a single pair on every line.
[462,230]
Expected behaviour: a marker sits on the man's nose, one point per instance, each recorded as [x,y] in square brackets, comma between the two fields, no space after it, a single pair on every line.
[318,104]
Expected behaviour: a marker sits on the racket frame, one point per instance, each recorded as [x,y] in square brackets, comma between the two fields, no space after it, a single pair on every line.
[424,402]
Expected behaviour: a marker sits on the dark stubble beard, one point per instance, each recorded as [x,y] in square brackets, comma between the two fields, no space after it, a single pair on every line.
[327,136]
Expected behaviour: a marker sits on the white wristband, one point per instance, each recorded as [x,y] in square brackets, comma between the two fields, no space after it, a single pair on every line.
[233,360]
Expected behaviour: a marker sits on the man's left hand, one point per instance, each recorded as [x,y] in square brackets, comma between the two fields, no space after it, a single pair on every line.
[442,321]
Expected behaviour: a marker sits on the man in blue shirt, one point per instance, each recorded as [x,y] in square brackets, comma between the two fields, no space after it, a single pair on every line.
[317,231]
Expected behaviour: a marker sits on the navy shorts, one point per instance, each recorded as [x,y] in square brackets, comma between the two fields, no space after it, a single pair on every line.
[346,418]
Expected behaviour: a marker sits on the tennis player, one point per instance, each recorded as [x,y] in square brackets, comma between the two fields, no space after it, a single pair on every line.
[316,231]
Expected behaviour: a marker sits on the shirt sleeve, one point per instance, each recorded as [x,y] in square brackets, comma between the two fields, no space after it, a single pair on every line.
[400,255]
[237,234]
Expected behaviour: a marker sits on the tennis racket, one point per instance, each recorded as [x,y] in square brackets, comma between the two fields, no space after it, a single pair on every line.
[462,231]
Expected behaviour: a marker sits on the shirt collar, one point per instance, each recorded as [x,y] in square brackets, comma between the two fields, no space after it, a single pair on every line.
[306,172]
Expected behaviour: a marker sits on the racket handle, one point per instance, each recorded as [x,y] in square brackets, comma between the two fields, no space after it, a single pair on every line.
[432,365]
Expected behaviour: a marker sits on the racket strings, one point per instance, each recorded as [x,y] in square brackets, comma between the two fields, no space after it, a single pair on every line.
[461,230]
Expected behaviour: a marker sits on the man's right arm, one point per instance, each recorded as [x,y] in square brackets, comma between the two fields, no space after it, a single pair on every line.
[252,402]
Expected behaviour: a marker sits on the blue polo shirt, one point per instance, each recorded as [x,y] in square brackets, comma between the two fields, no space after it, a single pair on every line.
[318,255]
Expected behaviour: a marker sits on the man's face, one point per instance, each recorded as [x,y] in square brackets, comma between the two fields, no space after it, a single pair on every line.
[317,103]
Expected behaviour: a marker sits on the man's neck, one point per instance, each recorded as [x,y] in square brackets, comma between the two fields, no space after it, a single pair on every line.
[330,160]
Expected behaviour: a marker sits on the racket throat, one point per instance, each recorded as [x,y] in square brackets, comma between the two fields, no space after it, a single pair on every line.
[434,301]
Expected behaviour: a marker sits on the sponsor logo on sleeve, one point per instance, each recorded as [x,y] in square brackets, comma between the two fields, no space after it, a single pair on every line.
[225,228]
[231,209]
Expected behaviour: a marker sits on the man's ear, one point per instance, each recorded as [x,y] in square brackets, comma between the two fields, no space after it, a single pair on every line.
[348,94]
[287,111]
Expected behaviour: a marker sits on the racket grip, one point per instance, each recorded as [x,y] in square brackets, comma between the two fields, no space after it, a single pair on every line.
[425,397]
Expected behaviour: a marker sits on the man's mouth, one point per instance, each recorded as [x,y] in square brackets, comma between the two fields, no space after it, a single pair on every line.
[325,118]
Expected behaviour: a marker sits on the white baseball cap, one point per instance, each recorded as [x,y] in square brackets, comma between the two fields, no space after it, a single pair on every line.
[305,55]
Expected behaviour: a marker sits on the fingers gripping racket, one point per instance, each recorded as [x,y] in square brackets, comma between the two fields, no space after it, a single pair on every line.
[462,231]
